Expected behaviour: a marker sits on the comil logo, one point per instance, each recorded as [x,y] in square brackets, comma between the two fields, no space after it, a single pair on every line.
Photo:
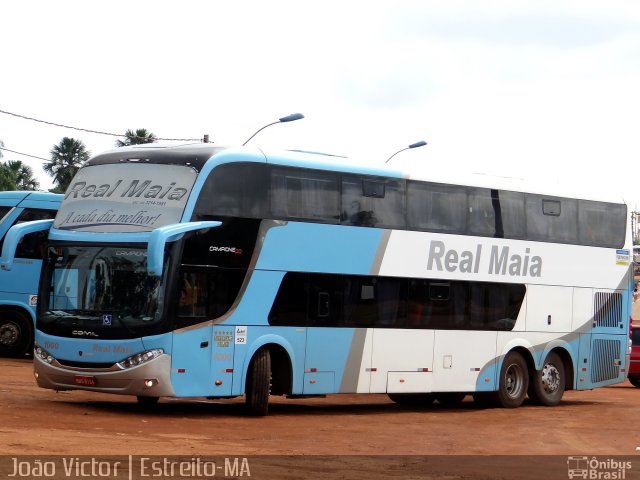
[596,468]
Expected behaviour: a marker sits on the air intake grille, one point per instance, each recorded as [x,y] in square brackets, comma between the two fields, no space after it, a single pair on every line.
[608,309]
[605,360]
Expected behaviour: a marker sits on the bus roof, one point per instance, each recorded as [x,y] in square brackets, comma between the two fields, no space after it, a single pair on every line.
[19,195]
[197,155]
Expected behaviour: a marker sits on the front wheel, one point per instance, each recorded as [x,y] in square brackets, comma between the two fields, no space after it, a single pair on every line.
[547,385]
[514,381]
[16,334]
[259,383]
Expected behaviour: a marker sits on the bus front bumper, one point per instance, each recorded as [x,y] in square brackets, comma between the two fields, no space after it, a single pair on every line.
[150,379]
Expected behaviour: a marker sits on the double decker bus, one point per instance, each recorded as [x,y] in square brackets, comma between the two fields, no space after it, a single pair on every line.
[200,271]
[19,288]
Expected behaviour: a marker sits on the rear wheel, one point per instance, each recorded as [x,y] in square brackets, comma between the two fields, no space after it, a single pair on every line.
[16,333]
[547,385]
[259,383]
[514,381]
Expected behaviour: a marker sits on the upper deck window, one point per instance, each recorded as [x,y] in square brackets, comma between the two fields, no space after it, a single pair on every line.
[307,194]
[372,203]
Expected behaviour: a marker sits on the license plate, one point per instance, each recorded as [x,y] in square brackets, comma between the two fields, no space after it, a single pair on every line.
[85,380]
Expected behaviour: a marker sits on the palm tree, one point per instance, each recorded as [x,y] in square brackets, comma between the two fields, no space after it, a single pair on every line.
[141,135]
[7,179]
[24,175]
[66,158]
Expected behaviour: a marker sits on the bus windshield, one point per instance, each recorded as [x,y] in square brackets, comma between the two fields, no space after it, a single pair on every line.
[103,290]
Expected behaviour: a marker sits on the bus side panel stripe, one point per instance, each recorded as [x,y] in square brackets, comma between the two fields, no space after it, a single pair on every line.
[352,368]
[382,247]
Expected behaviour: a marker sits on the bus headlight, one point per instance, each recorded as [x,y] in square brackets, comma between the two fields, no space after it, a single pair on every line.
[42,354]
[140,358]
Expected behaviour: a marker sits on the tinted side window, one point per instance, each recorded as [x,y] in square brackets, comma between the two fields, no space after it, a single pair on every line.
[234,190]
[389,302]
[4,211]
[374,301]
[512,211]
[552,219]
[206,293]
[602,224]
[31,214]
[485,217]
[305,194]
[438,208]
[31,246]
[325,300]
[290,305]
[372,202]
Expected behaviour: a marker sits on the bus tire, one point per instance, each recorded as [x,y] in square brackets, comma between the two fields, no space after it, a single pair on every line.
[635,381]
[258,385]
[412,399]
[513,382]
[16,334]
[548,384]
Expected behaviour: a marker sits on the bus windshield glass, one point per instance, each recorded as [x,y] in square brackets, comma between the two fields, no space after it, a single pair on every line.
[102,290]
[127,197]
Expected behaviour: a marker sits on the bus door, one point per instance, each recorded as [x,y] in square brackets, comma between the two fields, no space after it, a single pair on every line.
[191,362]
[193,339]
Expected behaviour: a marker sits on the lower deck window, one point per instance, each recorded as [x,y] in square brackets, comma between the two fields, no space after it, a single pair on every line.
[206,293]
[310,299]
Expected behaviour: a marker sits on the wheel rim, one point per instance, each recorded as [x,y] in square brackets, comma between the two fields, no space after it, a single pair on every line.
[514,381]
[550,378]
[9,334]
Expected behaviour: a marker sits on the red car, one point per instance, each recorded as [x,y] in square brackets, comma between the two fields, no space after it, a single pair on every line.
[634,365]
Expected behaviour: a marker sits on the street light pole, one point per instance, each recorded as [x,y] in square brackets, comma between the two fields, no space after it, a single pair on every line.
[289,118]
[421,143]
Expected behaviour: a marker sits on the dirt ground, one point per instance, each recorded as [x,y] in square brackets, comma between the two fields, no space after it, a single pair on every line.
[353,436]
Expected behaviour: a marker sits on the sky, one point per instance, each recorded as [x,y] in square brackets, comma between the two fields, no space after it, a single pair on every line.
[533,89]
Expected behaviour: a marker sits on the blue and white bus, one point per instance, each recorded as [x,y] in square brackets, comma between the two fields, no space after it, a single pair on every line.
[200,271]
[19,288]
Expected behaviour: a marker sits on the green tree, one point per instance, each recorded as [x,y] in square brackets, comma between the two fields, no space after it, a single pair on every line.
[140,136]
[7,182]
[7,178]
[66,158]
[23,175]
